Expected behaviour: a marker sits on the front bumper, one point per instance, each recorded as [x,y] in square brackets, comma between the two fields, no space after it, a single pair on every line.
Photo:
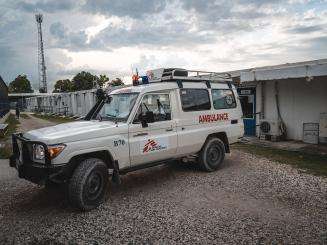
[38,173]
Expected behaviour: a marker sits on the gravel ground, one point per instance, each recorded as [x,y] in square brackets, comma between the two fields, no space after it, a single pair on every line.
[249,201]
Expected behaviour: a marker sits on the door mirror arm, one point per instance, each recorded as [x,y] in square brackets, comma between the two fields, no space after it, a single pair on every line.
[144,124]
[143,121]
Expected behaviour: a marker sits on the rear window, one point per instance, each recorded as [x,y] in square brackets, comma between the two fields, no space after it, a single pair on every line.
[195,99]
[223,99]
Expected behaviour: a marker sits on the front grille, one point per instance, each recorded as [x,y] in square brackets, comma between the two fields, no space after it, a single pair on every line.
[23,149]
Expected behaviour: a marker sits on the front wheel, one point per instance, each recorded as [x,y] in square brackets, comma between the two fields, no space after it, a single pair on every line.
[212,154]
[88,184]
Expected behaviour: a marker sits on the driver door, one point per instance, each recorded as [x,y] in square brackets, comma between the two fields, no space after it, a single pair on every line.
[158,140]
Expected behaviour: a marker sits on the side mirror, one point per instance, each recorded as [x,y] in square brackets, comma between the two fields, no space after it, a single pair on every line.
[143,121]
[147,118]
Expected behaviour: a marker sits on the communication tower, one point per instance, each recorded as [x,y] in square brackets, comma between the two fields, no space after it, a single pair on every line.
[41,62]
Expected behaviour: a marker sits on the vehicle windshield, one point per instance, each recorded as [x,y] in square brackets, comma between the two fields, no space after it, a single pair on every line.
[117,107]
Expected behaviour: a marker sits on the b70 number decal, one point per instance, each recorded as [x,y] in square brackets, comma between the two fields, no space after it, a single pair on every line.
[119,143]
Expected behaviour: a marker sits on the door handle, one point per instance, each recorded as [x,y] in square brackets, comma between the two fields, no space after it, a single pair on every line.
[169,129]
[140,134]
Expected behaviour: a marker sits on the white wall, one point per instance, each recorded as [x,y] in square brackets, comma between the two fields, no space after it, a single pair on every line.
[300,102]
[86,98]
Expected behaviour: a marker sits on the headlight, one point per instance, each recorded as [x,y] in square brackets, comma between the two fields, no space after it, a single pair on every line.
[38,152]
[55,150]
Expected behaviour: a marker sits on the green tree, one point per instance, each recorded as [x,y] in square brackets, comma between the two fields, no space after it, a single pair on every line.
[116,82]
[84,81]
[20,85]
[63,86]
[102,80]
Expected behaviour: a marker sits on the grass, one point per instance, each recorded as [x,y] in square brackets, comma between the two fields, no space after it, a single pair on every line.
[54,119]
[12,126]
[311,163]
[5,149]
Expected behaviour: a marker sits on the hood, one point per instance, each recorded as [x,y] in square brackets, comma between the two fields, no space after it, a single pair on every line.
[73,131]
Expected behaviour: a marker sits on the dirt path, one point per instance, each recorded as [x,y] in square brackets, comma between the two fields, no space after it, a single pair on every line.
[31,123]
[26,123]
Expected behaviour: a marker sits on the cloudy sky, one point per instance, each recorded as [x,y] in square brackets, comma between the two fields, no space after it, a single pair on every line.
[114,36]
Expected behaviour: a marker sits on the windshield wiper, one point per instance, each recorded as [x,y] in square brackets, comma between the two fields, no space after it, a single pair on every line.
[114,118]
[109,115]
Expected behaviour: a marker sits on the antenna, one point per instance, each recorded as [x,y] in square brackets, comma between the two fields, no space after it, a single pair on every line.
[41,62]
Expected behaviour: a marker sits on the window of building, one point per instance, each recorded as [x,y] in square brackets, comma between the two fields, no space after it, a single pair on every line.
[157,103]
[223,99]
[195,99]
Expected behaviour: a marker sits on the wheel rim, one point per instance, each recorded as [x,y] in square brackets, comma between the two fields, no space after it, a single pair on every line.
[213,155]
[94,186]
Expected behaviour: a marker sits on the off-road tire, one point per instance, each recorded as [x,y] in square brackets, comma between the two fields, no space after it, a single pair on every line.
[88,184]
[212,154]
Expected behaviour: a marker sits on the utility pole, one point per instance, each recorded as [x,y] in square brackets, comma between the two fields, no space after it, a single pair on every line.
[41,63]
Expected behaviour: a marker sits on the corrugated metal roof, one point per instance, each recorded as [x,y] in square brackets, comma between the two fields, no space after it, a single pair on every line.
[286,71]
[311,68]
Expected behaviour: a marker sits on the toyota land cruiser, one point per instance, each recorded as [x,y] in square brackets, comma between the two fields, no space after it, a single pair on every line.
[168,115]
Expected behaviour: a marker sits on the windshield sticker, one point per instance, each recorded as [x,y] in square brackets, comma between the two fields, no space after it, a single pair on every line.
[154,145]
[213,118]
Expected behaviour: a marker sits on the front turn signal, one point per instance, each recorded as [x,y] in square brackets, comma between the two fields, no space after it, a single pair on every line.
[55,150]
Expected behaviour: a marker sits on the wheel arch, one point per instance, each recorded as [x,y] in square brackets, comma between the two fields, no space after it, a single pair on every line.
[223,137]
[104,155]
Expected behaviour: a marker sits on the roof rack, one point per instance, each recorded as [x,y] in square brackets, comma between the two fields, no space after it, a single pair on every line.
[182,75]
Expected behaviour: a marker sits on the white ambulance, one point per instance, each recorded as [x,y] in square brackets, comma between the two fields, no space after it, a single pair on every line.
[169,114]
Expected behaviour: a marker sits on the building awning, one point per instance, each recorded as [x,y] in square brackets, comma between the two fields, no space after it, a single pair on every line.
[296,70]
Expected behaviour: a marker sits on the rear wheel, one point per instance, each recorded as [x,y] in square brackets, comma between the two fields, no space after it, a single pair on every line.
[88,184]
[212,154]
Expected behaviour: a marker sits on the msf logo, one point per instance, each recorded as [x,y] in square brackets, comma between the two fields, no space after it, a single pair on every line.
[152,145]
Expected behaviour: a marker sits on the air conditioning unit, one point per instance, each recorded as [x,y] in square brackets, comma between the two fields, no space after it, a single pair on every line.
[271,128]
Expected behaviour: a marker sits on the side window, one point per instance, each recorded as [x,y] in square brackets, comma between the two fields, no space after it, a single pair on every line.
[195,99]
[223,99]
[159,104]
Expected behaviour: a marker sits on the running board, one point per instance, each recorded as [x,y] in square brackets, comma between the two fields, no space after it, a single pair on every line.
[143,166]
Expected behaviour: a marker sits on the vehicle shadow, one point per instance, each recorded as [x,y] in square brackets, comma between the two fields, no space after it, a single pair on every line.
[154,176]
[39,199]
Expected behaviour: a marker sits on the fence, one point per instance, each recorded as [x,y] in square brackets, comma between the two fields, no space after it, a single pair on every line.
[51,110]
[76,104]
[67,104]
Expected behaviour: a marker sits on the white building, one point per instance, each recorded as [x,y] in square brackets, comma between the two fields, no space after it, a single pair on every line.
[298,90]
[76,103]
